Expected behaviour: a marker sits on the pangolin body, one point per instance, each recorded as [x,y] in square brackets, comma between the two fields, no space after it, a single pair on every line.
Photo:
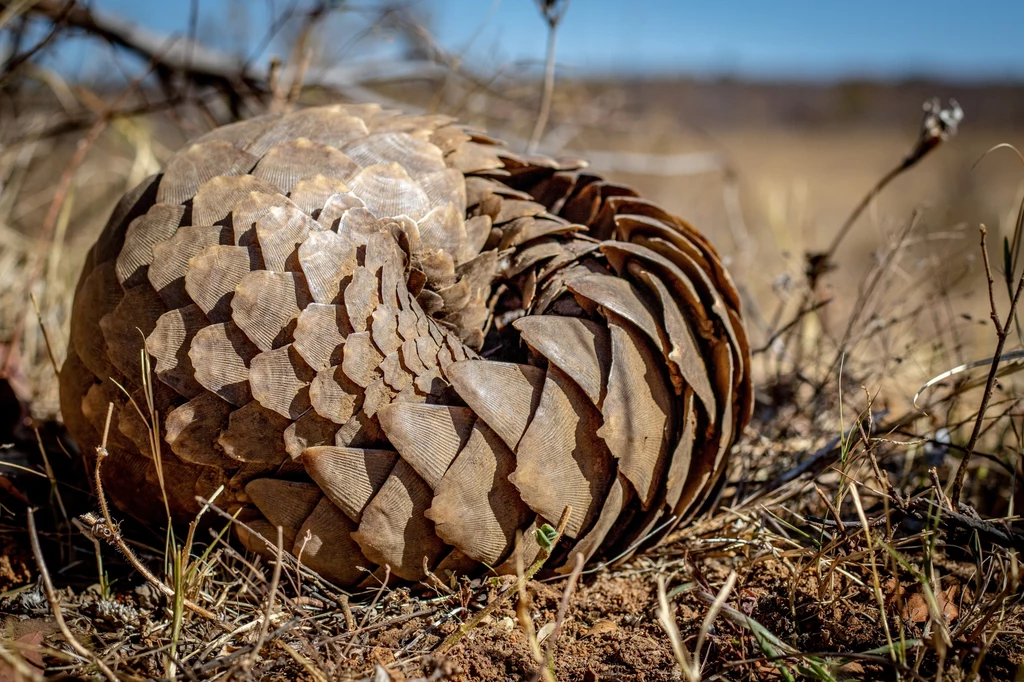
[402,343]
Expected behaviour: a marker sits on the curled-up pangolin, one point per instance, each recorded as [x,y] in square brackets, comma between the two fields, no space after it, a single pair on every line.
[403,343]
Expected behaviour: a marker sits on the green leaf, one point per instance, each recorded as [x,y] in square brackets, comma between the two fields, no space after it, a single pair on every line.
[546,537]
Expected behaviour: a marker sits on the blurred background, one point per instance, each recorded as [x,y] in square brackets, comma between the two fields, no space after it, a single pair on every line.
[763,124]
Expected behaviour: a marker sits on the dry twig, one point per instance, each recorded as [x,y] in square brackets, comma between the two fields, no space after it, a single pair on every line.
[1002,333]
[54,601]
[107,529]
[275,579]
[563,608]
[553,11]
[937,126]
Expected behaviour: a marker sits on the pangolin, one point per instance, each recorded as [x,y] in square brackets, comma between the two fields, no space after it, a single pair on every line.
[403,343]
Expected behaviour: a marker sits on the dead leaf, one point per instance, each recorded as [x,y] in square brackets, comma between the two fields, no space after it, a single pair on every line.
[27,637]
[915,608]
[853,668]
[30,648]
[7,487]
[947,602]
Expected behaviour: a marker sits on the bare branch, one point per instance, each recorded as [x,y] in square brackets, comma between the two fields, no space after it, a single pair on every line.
[553,11]
[1002,332]
[54,601]
[206,66]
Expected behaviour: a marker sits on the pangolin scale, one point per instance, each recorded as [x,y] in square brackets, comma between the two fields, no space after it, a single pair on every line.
[402,343]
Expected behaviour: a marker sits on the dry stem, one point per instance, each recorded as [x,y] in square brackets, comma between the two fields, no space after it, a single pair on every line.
[108,530]
[553,12]
[563,608]
[275,579]
[51,597]
[1002,332]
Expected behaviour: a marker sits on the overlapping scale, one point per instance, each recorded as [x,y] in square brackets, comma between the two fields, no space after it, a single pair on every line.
[215,198]
[171,259]
[476,508]
[197,164]
[312,289]
[125,329]
[157,225]
[287,163]
[213,275]
[561,461]
[637,410]
[394,529]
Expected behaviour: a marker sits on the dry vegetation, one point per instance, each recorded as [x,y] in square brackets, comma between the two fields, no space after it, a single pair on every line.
[835,552]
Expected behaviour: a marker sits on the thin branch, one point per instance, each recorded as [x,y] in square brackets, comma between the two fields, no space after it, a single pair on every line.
[789,325]
[107,529]
[275,579]
[60,195]
[79,121]
[866,297]
[1002,332]
[553,11]
[832,510]
[937,126]
[14,62]
[994,532]
[268,37]
[205,66]
[51,597]
[563,608]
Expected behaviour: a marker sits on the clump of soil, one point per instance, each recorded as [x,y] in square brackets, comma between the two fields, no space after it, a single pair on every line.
[15,566]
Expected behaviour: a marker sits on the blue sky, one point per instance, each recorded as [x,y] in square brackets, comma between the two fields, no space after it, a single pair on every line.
[802,39]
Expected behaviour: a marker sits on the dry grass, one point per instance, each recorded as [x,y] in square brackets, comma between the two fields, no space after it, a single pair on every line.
[833,554]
